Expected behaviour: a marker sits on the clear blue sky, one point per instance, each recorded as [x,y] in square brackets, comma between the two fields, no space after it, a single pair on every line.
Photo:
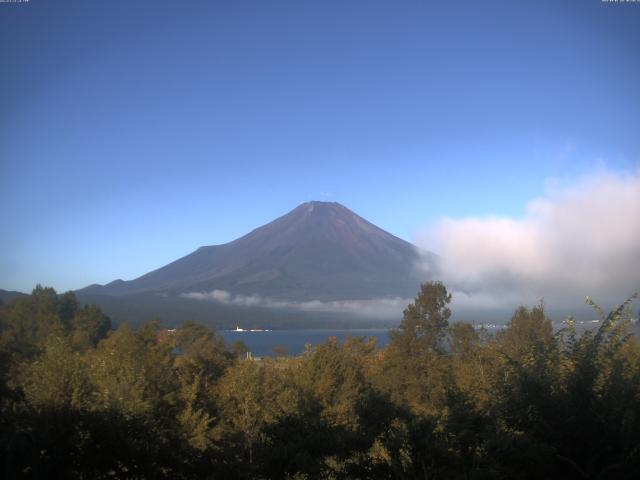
[132,132]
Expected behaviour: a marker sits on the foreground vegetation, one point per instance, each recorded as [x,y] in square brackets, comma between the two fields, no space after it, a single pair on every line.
[81,400]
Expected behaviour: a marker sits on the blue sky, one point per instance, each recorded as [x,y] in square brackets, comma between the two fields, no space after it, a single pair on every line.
[133,132]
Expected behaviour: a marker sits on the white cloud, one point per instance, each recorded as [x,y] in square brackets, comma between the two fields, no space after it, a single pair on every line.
[376,308]
[222,296]
[578,240]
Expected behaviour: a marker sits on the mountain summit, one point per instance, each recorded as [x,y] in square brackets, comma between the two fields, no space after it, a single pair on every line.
[318,251]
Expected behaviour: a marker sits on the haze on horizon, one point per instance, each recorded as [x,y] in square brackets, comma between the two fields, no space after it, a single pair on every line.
[501,136]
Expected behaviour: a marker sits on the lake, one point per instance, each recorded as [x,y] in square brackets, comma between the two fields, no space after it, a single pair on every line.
[261,344]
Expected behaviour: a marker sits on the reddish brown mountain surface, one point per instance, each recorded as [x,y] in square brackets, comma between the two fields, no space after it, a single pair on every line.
[318,251]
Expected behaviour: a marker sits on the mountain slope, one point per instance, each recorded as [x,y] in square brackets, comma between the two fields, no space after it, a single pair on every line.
[318,251]
[6,296]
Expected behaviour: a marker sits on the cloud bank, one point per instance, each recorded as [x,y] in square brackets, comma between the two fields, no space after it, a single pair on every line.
[383,308]
[579,240]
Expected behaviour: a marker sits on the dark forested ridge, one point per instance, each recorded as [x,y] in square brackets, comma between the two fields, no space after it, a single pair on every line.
[80,399]
[8,295]
[171,310]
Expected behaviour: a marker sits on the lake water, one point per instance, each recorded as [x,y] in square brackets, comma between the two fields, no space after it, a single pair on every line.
[261,344]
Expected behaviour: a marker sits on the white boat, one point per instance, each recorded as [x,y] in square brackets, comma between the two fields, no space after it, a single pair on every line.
[238,329]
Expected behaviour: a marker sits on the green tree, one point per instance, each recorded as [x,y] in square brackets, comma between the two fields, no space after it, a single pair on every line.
[201,351]
[67,307]
[528,334]
[132,372]
[253,396]
[472,362]
[239,348]
[599,427]
[425,321]
[334,374]
[30,321]
[57,379]
[200,361]
[414,367]
[195,419]
[89,326]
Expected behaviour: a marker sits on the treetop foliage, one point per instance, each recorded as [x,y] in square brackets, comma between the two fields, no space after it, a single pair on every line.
[79,399]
